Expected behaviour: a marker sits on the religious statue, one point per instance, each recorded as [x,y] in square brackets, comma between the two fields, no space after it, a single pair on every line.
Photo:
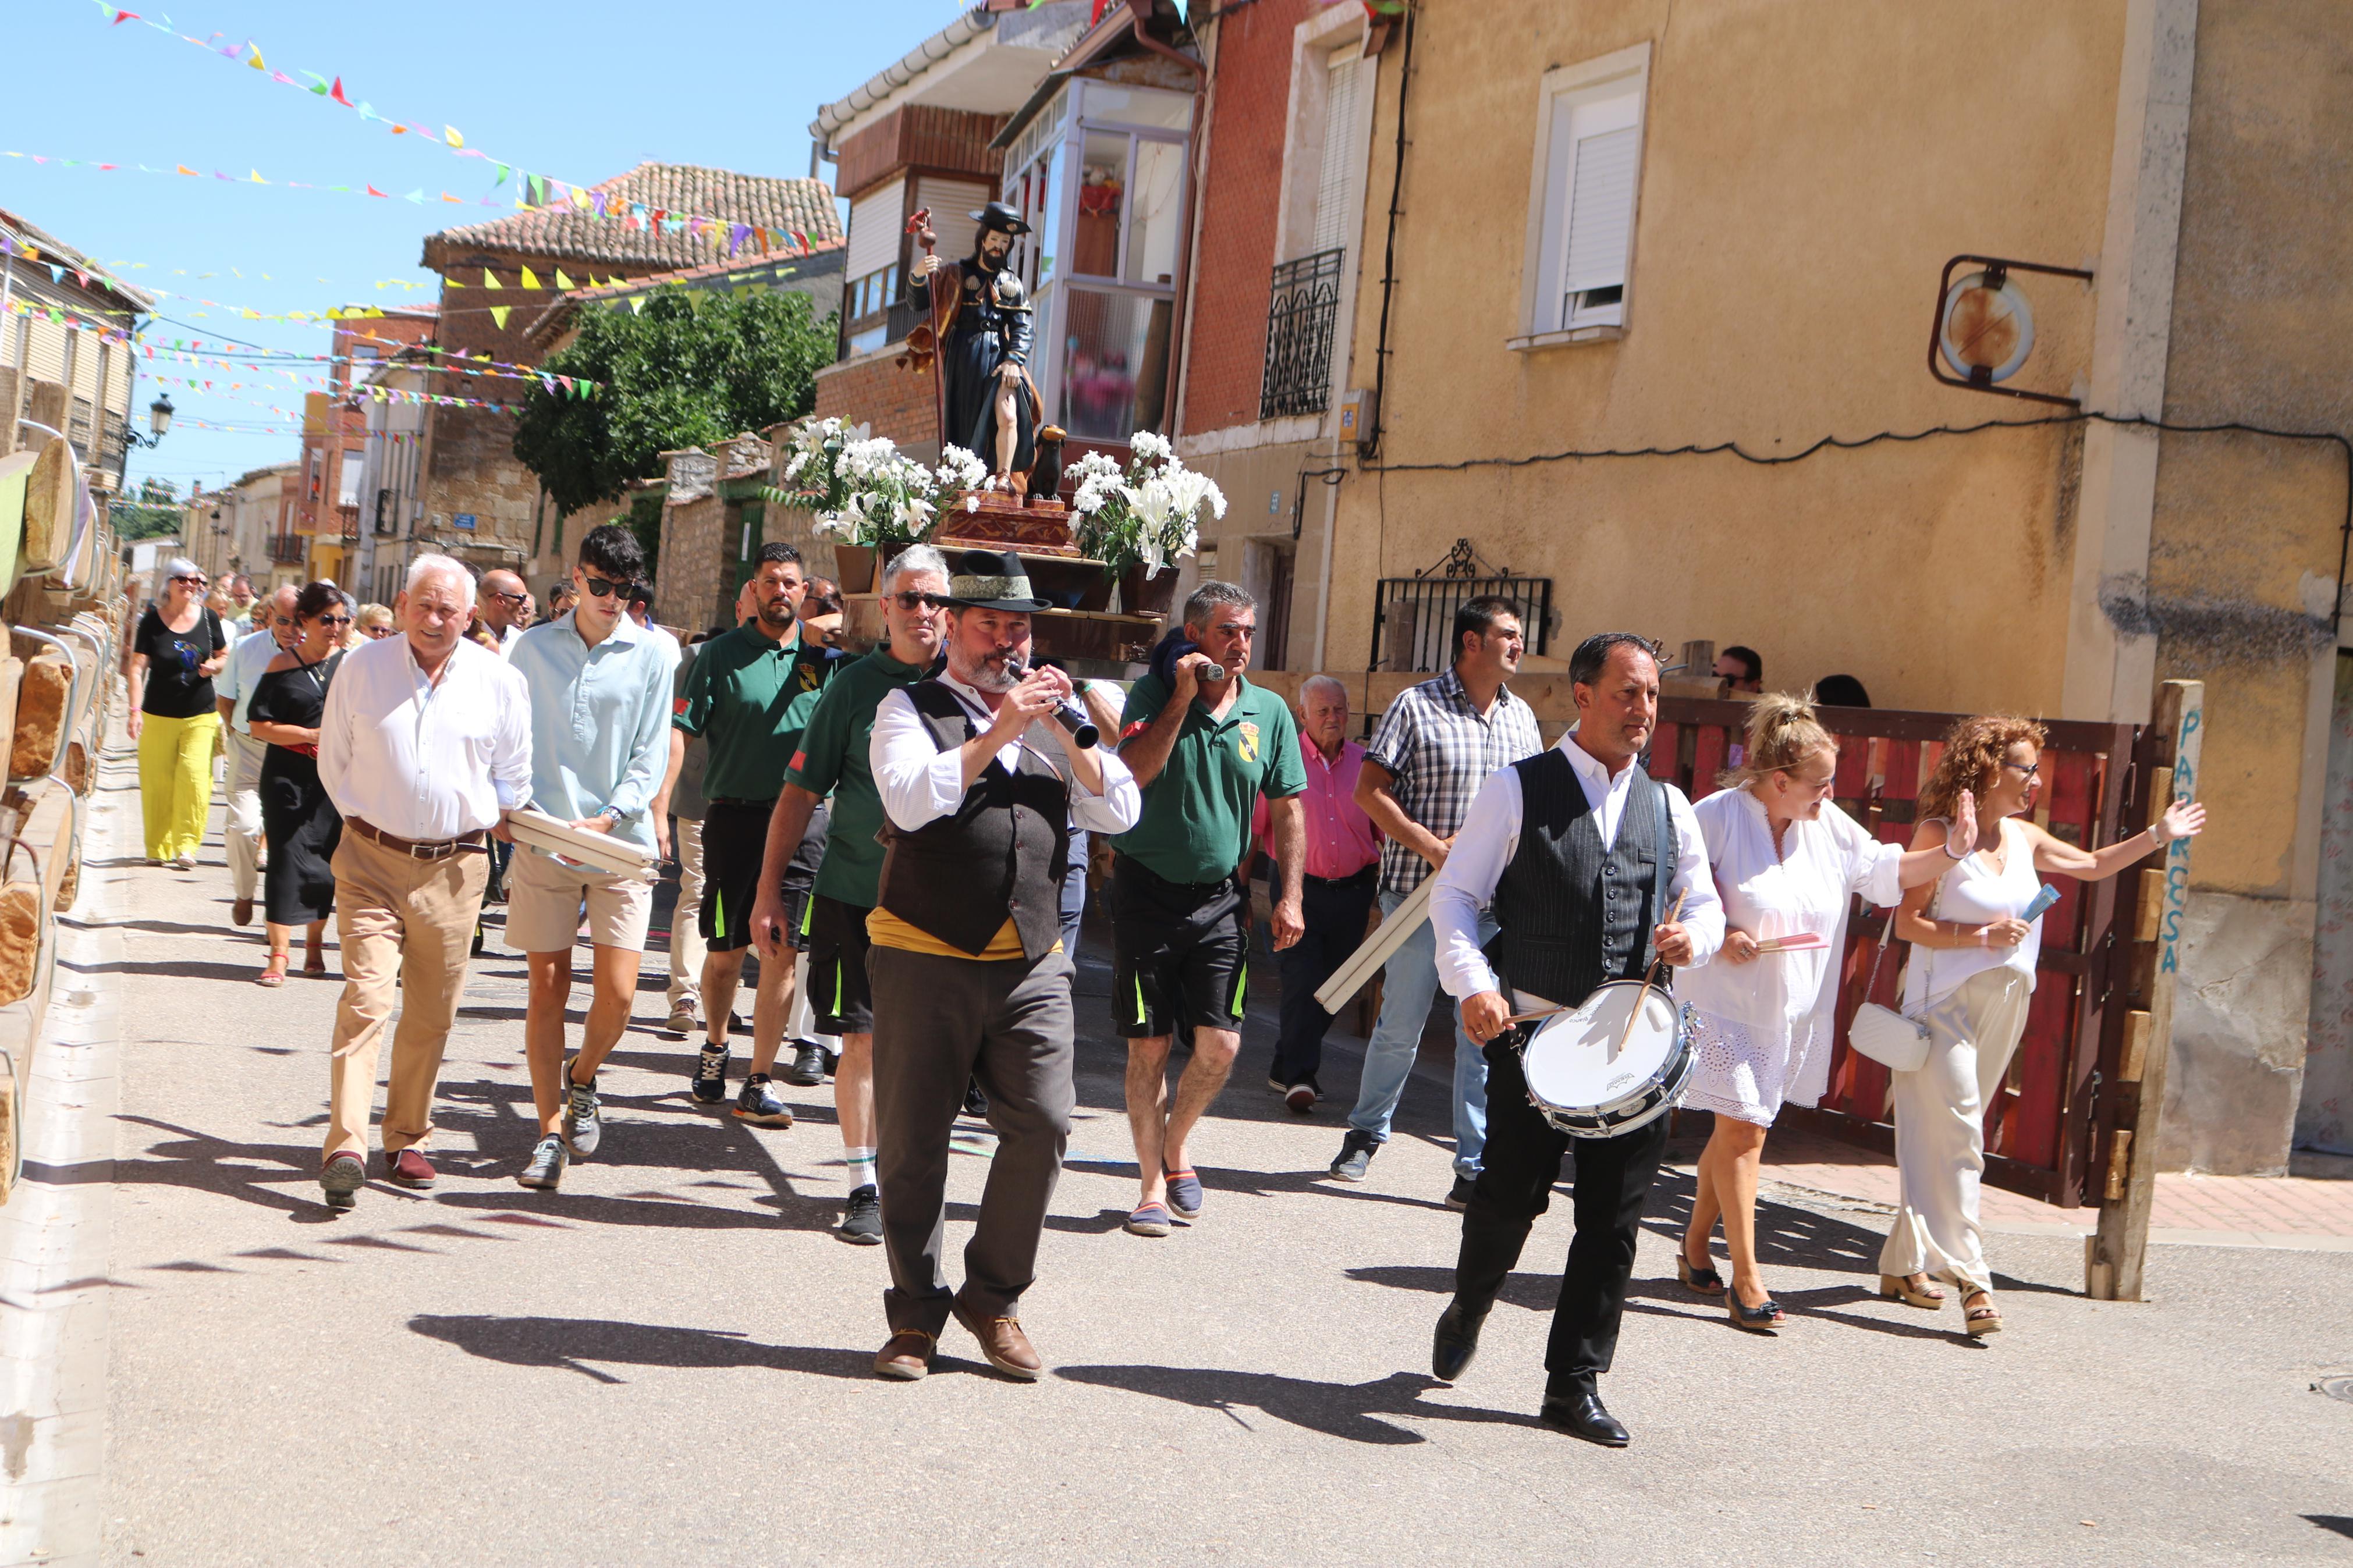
[981,328]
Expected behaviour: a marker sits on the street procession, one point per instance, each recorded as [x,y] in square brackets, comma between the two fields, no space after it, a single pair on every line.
[670,823]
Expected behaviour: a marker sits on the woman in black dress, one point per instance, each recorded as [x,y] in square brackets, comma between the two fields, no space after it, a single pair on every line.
[300,822]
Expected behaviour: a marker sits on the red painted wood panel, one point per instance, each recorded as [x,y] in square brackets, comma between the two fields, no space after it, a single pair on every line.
[1665,748]
[1714,743]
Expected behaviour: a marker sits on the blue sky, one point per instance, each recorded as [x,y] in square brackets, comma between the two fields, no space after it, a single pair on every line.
[579,91]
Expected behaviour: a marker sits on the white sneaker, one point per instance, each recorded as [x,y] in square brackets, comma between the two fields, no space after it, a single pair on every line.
[185,862]
[684,1018]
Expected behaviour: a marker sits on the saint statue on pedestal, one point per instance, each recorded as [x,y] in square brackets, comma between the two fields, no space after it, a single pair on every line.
[981,321]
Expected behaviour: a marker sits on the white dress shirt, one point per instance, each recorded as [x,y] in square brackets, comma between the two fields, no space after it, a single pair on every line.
[1490,833]
[420,759]
[247,662]
[919,782]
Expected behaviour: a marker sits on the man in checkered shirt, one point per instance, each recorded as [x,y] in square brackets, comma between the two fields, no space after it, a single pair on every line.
[1434,748]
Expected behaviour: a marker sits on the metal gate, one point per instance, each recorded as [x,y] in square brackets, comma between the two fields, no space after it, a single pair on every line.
[2047,1131]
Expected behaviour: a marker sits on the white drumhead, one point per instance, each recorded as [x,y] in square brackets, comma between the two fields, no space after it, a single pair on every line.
[1574,1062]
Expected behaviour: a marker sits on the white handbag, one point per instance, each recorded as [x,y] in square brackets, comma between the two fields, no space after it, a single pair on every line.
[1895,1042]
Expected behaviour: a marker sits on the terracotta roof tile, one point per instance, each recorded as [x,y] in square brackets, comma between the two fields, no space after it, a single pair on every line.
[562,232]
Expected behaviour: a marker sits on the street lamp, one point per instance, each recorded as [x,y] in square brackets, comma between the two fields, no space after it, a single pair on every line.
[159,420]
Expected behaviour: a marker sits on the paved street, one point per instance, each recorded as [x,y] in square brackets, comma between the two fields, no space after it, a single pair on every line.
[667,1360]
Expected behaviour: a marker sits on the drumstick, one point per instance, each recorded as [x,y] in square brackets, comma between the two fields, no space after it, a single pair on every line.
[1643,997]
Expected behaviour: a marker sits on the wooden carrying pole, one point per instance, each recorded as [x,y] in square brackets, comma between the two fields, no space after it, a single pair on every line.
[1366,961]
[2113,1255]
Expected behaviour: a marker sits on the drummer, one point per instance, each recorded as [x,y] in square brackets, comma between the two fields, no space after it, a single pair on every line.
[1788,864]
[1595,871]
[600,721]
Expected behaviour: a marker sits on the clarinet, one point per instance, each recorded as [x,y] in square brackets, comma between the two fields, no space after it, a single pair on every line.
[1068,715]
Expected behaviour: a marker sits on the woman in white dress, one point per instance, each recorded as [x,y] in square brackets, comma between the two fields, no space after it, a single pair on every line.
[1971,973]
[1786,863]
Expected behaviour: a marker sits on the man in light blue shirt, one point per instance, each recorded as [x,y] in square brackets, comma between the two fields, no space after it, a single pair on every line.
[233,690]
[600,701]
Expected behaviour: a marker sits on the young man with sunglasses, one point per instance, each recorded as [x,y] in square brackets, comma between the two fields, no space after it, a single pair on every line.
[832,760]
[737,696]
[599,688]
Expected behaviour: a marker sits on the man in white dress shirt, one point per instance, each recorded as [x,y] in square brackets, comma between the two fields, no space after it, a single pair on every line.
[1594,871]
[980,788]
[232,688]
[423,747]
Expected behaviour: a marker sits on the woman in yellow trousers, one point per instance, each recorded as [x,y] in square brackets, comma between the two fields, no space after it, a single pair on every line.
[174,654]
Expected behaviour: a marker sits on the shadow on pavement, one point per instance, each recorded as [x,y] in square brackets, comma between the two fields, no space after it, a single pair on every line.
[1349,1410]
[570,1344]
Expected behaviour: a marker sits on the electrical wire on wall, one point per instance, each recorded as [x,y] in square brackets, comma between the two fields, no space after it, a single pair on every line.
[1849,444]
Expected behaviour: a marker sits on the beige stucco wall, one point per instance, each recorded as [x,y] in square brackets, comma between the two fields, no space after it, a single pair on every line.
[1803,180]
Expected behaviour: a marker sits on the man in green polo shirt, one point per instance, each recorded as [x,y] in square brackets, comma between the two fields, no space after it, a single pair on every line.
[1204,748]
[832,760]
[737,696]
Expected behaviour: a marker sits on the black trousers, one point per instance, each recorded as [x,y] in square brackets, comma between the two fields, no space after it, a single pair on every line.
[1334,913]
[1521,1164]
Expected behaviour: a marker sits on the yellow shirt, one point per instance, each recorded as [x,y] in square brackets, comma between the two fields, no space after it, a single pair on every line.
[884,929]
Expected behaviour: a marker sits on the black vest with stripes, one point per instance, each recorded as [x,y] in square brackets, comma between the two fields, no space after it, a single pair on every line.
[1573,915]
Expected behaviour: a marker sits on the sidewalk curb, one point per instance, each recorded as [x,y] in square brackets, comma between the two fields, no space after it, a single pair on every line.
[57,1237]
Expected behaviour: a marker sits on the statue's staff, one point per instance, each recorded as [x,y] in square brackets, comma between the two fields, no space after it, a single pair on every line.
[922,341]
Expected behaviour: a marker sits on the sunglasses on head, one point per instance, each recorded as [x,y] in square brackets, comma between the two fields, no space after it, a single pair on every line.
[908,599]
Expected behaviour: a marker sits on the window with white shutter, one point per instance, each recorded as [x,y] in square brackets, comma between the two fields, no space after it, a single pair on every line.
[1582,208]
[1344,158]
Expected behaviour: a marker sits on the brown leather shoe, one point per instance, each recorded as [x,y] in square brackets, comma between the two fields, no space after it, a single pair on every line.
[905,1355]
[409,1168]
[1006,1348]
[240,912]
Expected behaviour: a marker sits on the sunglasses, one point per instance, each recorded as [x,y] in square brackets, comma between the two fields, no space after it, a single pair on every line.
[510,598]
[334,620]
[598,588]
[910,600]
[2030,769]
[377,631]
[191,581]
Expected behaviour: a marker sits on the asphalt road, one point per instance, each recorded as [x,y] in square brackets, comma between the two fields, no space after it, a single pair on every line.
[667,1360]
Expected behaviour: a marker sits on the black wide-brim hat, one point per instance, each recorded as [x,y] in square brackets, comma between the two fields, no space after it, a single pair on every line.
[993,580]
[1001,216]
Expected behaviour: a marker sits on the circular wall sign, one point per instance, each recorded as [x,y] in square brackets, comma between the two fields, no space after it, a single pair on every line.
[1986,332]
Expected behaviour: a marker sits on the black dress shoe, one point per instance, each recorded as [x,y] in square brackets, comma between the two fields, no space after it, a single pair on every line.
[1582,1414]
[1454,1343]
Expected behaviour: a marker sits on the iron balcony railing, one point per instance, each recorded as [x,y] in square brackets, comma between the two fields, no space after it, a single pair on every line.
[1413,617]
[286,549]
[1300,316]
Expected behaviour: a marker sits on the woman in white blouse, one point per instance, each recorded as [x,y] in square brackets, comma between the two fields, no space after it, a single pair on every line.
[1787,865]
[1970,974]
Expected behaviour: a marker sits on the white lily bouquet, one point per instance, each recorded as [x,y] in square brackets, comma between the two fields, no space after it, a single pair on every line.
[863,490]
[1146,514]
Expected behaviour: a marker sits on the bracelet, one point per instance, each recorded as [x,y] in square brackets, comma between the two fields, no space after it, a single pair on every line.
[1949,852]
[1985,936]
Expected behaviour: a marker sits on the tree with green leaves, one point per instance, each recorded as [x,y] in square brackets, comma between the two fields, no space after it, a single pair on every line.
[153,513]
[688,370]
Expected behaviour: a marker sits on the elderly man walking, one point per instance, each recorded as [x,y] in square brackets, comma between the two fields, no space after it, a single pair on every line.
[1344,849]
[233,690]
[599,687]
[425,747]
[1433,749]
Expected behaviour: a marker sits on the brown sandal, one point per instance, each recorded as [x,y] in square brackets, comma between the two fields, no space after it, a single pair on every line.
[274,974]
[1899,1287]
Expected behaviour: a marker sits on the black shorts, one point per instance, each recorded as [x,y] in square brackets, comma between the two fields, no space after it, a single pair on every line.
[1180,952]
[800,878]
[839,993]
[734,841]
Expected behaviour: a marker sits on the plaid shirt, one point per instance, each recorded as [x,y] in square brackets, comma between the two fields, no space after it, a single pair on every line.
[1440,750]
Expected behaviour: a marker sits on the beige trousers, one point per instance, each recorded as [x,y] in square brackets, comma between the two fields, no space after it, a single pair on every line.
[686,951]
[407,926]
[242,831]
[1940,1129]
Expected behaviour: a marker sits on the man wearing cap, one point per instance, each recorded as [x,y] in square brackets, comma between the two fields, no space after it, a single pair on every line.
[968,969]
[1203,746]
[981,321]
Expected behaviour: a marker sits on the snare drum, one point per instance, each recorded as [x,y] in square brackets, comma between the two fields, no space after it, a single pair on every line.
[1589,1087]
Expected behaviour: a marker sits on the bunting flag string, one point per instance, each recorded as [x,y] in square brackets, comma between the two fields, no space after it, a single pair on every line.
[369,393]
[251,177]
[532,190]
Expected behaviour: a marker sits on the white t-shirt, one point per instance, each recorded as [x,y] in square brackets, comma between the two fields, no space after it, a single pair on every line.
[1972,894]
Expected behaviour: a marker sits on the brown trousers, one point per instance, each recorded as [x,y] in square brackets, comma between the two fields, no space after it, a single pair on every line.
[408,927]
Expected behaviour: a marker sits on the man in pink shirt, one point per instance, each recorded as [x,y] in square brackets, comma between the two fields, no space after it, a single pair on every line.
[1344,851]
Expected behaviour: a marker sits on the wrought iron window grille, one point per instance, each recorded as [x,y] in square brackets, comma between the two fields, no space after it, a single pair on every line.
[1302,314]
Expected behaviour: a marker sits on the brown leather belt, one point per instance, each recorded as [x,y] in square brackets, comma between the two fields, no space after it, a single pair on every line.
[438,849]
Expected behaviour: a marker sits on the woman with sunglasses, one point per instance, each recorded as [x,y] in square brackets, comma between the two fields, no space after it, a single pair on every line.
[1971,974]
[179,647]
[1788,864]
[374,623]
[299,820]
